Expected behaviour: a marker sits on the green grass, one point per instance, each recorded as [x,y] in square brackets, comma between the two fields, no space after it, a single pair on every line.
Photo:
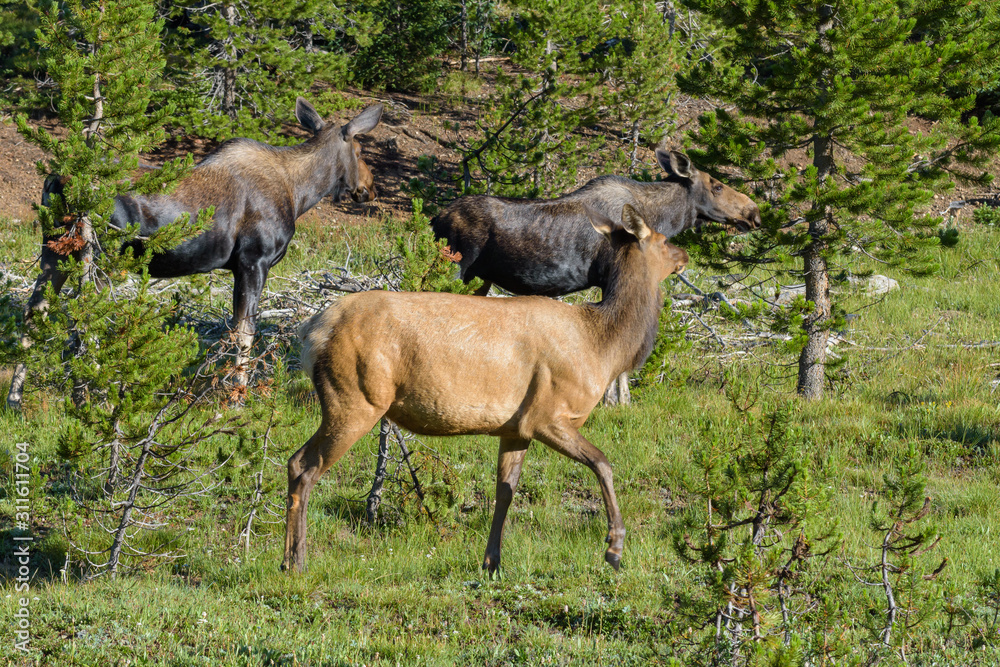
[411,591]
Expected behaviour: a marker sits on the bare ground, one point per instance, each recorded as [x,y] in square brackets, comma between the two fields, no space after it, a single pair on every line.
[412,126]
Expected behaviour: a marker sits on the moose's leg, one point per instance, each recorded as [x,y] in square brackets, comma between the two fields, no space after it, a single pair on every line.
[512,451]
[248,283]
[568,441]
[50,273]
[307,465]
[617,392]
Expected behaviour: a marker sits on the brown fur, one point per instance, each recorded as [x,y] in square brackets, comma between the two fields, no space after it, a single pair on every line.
[526,368]
[257,191]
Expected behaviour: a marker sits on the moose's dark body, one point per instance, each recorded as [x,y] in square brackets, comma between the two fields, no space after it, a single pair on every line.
[548,247]
[258,192]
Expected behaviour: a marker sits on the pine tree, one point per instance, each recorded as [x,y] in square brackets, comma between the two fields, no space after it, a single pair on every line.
[404,53]
[529,142]
[18,50]
[640,66]
[841,79]
[120,368]
[751,530]
[238,66]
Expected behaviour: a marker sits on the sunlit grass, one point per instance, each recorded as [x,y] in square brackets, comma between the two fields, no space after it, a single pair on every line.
[412,592]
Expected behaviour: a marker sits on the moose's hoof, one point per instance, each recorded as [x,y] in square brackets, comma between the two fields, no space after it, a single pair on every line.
[492,568]
[613,559]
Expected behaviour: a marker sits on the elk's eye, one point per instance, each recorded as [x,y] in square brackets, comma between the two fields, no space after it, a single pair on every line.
[717,189]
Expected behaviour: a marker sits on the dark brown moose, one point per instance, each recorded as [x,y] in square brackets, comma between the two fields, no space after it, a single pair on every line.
[258,192]
[527,368]
[546,247]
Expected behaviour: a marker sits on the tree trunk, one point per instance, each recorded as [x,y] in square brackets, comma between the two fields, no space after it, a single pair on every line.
[812,360]
[634,140]
[80,392]
[463,41]
[375,495]
[229,73]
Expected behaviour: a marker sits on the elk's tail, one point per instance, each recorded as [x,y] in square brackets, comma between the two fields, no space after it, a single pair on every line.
[308,335]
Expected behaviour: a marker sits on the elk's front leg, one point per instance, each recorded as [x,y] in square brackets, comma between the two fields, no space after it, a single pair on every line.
[567,440]
[509,464]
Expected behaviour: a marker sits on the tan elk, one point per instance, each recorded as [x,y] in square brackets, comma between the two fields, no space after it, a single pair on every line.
[525,368]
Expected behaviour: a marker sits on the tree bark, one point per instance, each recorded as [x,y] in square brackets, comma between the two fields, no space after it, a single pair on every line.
[229,73]
[463,43]
[375,495]
[812,360]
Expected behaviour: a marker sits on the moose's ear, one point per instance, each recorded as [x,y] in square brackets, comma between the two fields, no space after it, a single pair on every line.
[675,164]
[364,121]
[634,224]
[308,116]
[602,223]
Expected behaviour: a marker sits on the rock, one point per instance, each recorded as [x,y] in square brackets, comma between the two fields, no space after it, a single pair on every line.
[876,284]
[789,293]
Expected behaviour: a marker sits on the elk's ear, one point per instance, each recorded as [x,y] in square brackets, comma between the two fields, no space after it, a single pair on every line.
[600,222]
[364,121]
[675,164]
[308,116]
[634,224]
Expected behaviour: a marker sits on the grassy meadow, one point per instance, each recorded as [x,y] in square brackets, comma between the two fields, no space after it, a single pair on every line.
[409,591]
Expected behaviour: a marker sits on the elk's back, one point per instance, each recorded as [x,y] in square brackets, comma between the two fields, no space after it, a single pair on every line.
[444,364]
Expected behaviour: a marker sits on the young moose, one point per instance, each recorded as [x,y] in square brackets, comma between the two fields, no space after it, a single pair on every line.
[527,368]
[258,192]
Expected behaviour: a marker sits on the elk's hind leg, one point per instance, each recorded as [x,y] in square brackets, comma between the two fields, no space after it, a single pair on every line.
[334,437]
[567,441]
[509,464]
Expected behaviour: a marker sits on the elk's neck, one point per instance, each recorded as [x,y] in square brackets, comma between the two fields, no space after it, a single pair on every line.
[312,172]
[627,319]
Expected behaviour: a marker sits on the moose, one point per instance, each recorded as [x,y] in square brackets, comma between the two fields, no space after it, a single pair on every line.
[545,247]
[258,192]
[525,368]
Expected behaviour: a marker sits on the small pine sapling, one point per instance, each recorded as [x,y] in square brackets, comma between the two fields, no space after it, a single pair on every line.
[752,530]
[428,264]
[130,422]
[898,520]
[670,339]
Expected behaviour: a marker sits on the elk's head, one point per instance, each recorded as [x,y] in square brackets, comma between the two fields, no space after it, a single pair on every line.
[664,257]
[350,175]
[713,199]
